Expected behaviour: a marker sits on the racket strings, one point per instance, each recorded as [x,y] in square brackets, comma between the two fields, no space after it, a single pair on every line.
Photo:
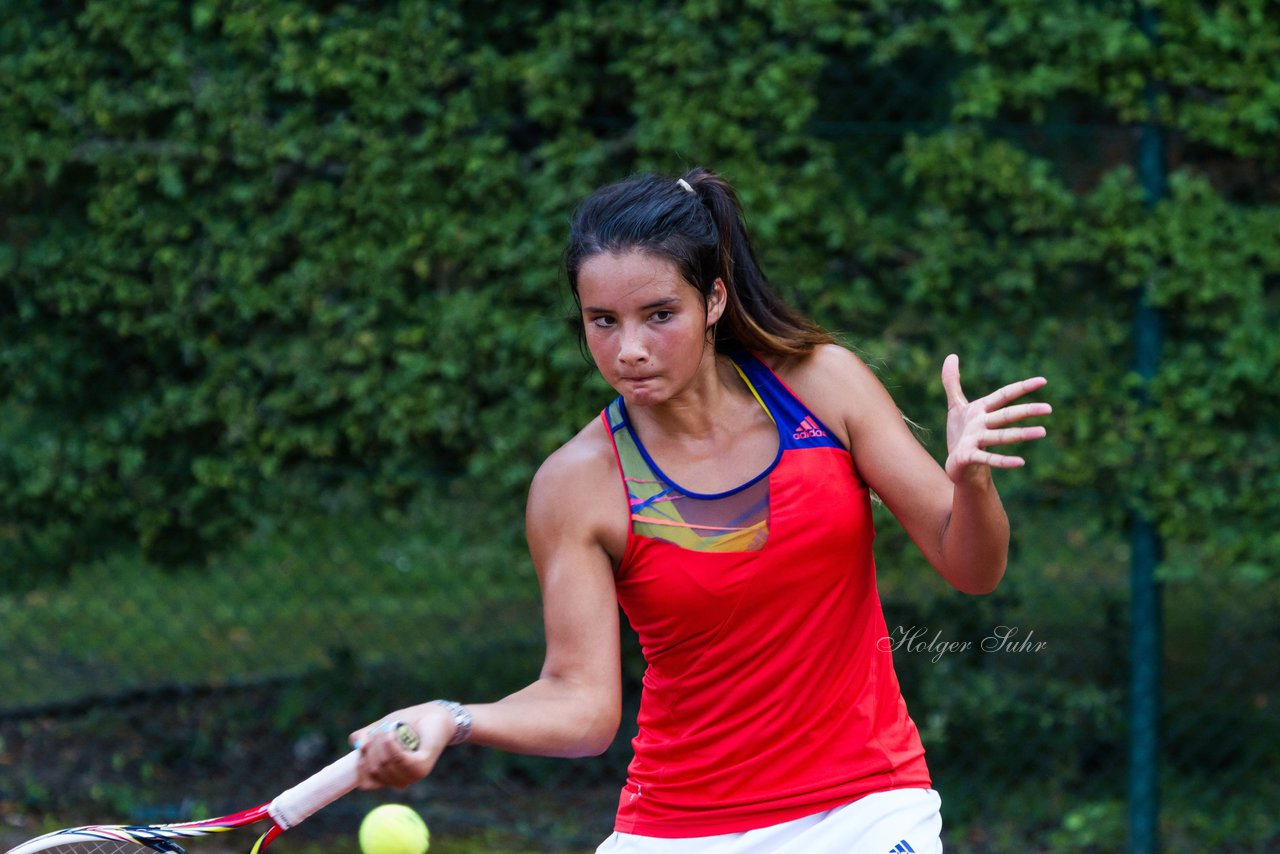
[105,846]
[130,839]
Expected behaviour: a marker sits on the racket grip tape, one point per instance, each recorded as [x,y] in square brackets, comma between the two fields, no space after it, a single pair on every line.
[296,805]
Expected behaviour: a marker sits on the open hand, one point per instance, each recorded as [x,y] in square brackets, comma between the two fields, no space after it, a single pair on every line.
[974,426]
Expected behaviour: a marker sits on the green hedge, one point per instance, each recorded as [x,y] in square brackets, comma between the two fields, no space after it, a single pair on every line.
[258,253]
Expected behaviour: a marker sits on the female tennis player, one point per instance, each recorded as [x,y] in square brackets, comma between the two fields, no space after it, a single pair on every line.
[723,499]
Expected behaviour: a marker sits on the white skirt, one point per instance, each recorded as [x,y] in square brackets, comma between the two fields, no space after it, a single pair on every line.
[901,821]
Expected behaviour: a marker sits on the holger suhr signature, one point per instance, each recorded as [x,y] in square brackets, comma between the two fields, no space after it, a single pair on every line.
[916,639]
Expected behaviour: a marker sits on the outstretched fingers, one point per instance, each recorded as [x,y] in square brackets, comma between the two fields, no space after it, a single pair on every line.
[998,398]
[1010,414]
[1010,435]
[951,381]
[974,427]
[978,454]
[996,421]
[995,461]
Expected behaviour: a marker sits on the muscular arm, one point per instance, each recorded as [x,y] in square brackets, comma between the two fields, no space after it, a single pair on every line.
[573,708]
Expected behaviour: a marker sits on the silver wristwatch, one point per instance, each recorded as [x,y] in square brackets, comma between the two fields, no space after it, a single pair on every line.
[461,720]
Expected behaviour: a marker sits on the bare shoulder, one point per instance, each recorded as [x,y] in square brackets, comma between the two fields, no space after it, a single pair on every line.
[577,497]
[824,364]
[586,457]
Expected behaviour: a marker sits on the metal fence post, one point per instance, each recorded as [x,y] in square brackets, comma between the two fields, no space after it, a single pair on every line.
[1145,604]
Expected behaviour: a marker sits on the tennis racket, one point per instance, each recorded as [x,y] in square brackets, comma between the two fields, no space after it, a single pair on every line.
[289,809]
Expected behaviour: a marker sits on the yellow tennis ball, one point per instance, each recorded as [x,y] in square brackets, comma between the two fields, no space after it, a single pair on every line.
[394,829]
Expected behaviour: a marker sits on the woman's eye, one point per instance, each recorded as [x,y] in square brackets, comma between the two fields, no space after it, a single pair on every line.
[602,322]
[662,315]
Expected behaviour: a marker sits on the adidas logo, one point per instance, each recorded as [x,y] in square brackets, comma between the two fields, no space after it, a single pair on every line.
[902,847]
[808,429]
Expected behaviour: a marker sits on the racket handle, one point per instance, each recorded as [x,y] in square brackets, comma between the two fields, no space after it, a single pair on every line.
[296,805]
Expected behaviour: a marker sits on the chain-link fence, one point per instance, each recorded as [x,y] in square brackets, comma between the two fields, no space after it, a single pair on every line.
[152,695]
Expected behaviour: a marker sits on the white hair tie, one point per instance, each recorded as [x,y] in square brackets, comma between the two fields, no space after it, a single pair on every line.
[683,183]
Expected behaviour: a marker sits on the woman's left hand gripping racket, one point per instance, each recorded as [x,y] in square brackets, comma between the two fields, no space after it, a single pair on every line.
[289,809]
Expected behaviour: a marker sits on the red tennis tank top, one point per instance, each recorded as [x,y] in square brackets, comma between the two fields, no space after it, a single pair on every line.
[769,692]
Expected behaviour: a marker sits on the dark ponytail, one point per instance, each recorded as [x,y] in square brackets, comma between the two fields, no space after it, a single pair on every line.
[696,223]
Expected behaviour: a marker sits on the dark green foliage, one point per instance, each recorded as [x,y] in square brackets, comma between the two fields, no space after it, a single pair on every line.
[254,252]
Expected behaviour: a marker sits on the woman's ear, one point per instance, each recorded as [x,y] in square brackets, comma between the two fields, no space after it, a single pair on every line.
[717,299]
